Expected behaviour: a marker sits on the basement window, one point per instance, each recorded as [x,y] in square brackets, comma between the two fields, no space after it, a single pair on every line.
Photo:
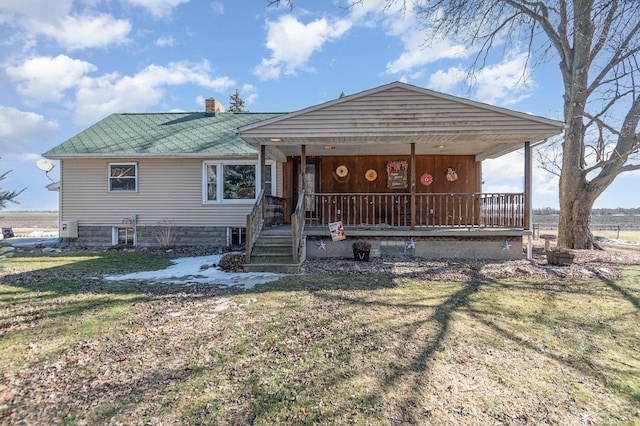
[236,236]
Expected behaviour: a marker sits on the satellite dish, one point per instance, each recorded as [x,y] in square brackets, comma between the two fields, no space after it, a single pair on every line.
[45,165]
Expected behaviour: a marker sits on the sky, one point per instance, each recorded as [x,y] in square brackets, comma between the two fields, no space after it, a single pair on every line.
[65,65]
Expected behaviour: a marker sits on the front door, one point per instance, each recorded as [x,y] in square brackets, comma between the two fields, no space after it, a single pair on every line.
[311,186]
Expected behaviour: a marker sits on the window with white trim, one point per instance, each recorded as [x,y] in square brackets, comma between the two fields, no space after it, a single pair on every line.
[123,177]
[234,181]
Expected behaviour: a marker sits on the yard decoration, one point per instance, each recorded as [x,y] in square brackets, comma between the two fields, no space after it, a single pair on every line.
[337,231]
[322,245]
[411,244]
[452,175]
[361,250]
[342,171]
[426,179]
[371,175]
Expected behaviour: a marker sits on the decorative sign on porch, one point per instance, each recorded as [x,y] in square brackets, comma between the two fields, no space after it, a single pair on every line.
[397,174]
[452,175]
[342,171]
[337,231]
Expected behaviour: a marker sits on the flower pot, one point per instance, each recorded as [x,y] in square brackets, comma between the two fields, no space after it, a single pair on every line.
[361,255]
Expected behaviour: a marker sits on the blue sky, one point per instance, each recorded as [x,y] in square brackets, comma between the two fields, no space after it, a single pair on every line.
[67,64]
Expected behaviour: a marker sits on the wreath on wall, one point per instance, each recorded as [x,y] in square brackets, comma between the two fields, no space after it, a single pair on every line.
[342,171]
[371,175]
[426,179]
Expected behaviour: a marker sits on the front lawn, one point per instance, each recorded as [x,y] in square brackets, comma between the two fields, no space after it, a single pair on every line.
[312,349]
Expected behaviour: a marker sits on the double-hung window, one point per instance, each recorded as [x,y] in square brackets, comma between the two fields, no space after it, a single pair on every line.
[233,181]
[123,177]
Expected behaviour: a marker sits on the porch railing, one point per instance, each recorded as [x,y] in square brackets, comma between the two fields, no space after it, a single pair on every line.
[465,210]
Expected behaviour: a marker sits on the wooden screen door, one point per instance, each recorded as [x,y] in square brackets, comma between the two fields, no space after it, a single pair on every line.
[312,185]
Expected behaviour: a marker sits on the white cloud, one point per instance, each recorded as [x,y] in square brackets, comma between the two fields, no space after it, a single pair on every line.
[80,32]
[503,83]
[165,41]
[418,54]
[292,43]
[18,129]
[158,8]
[446,81]
[56,19]
[45,78]
[37,10]
[217,8]
[498,84]
[99,97]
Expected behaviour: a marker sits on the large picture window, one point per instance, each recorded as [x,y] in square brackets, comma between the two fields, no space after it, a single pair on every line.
[234,181]
[123,177]
[239,181]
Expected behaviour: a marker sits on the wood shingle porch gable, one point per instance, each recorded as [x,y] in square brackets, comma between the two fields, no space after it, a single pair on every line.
[423,130]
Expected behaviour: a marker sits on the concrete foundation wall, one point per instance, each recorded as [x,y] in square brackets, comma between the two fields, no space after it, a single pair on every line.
[506,248]
[101,236]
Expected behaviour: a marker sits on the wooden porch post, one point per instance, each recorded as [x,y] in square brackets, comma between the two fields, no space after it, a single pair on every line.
[413,185]
[303,166]
[263,175]
[528,210]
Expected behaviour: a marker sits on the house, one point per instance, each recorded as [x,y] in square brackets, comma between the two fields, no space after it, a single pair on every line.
[397,165]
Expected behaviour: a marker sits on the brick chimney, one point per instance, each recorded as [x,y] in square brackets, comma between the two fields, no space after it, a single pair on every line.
[212,106]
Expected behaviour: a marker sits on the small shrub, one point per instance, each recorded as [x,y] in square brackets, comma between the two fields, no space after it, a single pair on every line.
[232,262]
[164,233]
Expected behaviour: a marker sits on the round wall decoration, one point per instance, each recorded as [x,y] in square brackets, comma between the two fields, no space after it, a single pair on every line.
[342,171]
[426,179]
[371,175]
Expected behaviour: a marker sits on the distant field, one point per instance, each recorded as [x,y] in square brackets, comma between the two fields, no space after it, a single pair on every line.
[598,223]
[23,222]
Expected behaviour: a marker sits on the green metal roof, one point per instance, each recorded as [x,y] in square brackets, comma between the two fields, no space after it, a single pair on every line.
[162,134]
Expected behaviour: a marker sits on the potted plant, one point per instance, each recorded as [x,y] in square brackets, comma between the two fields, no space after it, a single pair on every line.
[361,250]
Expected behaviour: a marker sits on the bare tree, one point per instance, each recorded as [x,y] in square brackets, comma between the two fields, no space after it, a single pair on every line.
[597,46]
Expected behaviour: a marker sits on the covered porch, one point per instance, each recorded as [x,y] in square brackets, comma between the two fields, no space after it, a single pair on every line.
[397,162]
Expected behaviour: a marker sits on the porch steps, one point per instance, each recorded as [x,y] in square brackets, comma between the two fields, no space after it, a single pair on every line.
[272,253]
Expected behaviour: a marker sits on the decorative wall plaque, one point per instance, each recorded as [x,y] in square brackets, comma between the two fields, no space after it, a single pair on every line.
[397,174]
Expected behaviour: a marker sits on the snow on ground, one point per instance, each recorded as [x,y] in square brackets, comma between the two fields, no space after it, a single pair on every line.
[198,270]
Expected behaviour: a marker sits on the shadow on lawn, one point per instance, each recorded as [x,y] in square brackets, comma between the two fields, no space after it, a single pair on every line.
[256,399]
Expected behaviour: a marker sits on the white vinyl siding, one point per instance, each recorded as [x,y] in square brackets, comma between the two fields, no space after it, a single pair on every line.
[166,189]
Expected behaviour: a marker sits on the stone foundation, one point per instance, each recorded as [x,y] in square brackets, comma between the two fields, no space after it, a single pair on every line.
[101,236]
[490,247]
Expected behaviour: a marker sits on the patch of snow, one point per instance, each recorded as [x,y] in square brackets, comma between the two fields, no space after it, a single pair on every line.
[198,270]
[616,241]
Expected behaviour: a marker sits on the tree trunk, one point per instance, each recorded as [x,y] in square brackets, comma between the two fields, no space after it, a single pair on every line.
[574,223]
